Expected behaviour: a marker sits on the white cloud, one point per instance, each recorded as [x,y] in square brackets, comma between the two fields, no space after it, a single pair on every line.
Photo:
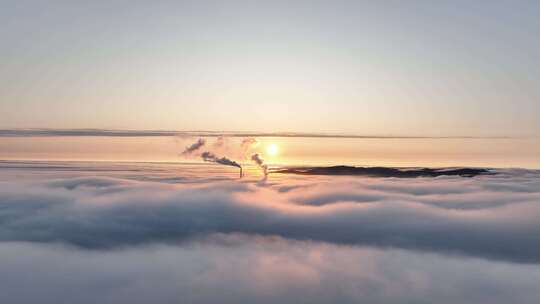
[248,269]
[491,217]
[137,234]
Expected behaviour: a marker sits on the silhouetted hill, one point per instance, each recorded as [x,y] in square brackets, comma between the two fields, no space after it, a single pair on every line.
[385,171]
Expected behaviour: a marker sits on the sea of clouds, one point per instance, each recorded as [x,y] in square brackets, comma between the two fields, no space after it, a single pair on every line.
[103,234]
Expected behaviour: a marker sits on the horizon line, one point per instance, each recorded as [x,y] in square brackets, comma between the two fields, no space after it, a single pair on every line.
[96,132]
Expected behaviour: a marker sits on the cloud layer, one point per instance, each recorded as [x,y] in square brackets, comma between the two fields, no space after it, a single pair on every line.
[494,217]
[140,233]
[249,269]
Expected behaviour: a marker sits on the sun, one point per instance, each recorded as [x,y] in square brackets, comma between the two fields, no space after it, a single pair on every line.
[272,150]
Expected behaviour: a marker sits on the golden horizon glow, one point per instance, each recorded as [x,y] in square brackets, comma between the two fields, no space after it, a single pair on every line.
[272,150]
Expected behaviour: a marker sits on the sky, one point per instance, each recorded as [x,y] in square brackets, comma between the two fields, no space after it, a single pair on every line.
[362,67]
[429,152]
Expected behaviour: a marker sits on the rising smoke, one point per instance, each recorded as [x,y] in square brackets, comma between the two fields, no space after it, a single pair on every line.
[194,147]
[245,146]
[211,157]
[220,141]
[247,142]
[260,162]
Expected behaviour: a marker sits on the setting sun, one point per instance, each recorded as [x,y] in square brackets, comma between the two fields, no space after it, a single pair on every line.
[272,150]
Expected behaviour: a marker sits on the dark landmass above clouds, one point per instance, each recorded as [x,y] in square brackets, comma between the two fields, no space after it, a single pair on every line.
[385,171]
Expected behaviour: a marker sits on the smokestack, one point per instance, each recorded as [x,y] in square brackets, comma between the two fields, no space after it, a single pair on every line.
[260,162]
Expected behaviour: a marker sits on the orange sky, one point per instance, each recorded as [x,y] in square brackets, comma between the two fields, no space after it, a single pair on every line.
[307,151]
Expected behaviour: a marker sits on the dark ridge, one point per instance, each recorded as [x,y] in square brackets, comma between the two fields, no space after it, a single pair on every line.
[384,171]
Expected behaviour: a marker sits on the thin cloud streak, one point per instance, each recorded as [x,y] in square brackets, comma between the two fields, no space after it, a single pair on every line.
[165,133]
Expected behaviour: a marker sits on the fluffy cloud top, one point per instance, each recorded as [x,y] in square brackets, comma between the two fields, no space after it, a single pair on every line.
[248,269]
[493,217]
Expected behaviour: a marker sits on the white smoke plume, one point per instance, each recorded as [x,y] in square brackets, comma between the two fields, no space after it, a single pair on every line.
[220,141]
[248,143]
